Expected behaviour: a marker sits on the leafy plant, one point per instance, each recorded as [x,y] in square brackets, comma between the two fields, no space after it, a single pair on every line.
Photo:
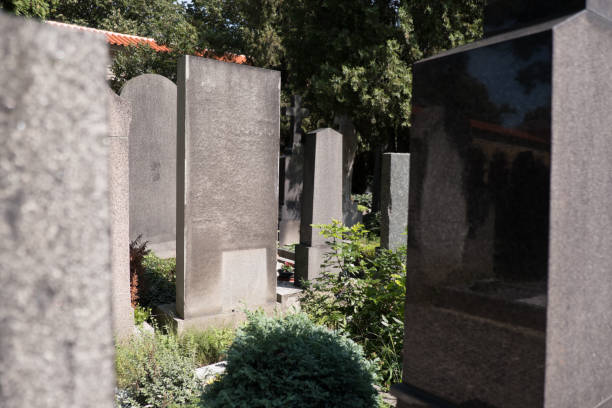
[291,362]
[138,250]
[363,201]
[155,371]
[361,293]
[141,315]
[159,277]
[210,345]
[287,267]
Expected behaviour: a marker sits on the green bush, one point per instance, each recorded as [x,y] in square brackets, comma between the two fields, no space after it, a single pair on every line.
[291,362]
[363,201]
[363,295]
[156,371]
[141,315]
[159,276]
[210,345]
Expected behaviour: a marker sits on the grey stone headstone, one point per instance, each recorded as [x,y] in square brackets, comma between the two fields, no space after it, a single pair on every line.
[119,117]
[350,213]
[289,224]
[321,198]
[293,171]
[227,189]
[579,321]
[297,113]
[56,341]
[153,161]
[395,177]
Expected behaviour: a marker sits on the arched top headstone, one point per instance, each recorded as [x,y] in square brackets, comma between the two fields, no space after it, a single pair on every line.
[153,161]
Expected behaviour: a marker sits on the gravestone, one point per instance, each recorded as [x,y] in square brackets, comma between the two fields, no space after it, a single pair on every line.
[345,126]
[227,190]
[394,199]
[56,341]
[292,170]
[510,157]
[119,116]
[321,199]
[153,161]
[297,113]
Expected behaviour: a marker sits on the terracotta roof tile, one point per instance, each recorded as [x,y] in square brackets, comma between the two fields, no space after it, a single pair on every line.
[132,40]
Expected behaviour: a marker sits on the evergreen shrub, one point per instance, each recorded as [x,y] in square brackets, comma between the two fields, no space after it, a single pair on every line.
[291,362]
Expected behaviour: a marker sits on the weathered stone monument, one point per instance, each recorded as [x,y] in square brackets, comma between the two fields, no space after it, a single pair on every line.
[293,171]
[153,161]
[119,116]
[346,127]
[395,176]
[56,341]
[510,237]
[227,190]
[321,198]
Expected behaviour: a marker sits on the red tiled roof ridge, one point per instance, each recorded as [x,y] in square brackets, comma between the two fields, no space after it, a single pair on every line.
[130,39]
[97,30]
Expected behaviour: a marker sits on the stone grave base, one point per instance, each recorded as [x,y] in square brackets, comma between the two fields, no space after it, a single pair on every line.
[308,262]
[288,296]
[166,314]
[404,400]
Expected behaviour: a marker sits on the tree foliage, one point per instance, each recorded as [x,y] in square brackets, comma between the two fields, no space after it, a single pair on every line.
[346,57]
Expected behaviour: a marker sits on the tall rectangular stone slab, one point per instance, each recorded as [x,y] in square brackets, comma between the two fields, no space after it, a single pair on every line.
[509,247]
[395,175]
[56,341]
[153,161]
[321,198]
[227,189]
[292,174]
[119,117]
[289,225]
[579,329]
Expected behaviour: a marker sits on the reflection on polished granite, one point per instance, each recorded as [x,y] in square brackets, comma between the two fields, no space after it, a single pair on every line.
[479,221]
[481,145]
[506,15]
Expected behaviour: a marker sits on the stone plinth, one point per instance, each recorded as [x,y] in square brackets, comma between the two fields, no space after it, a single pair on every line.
[119,191]
[56,341]
[227,189]
[395,174]
[153,161]
[321,198]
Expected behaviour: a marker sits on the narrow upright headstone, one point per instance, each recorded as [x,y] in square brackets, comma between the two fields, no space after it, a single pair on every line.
[56,341]
[395,176]
[293,161]
[321,198]
[153,161]
[227,190]
[346,127]
[119,116]
[297,113]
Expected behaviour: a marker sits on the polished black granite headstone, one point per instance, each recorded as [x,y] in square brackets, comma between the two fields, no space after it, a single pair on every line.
[510,240]
[479,217]
[506,15]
